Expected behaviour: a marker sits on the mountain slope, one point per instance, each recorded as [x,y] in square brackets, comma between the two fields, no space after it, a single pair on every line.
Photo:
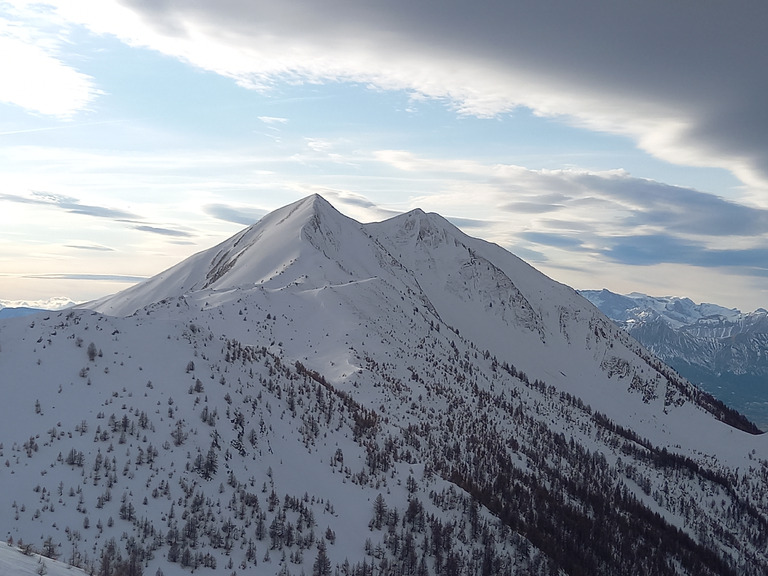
[15,561]
[316,393]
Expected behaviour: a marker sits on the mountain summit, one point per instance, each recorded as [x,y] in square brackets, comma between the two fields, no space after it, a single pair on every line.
[260,255]
[318,395]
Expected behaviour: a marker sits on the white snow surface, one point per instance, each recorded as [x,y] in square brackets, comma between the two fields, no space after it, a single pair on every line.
[378,310]
[13,562]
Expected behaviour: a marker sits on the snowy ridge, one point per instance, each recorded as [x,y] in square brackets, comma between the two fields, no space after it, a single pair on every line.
[317,394]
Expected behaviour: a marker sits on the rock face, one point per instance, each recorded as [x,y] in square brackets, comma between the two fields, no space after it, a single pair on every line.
[722,350]
[317,394]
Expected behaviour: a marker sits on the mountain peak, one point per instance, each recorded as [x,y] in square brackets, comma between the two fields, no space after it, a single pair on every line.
[304,209]
[397,370]
[281,248]
[416,227]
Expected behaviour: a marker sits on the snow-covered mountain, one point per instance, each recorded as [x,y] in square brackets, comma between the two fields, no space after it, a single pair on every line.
[722,350]
[315,394]
[676,312]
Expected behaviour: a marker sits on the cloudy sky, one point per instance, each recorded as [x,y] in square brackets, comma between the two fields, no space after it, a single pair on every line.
[610,144]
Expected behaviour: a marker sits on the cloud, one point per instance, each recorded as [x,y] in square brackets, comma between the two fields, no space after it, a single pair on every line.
[678,208]
[352,204]
[33,71]
[235,214]
[609,202]
[54,303]
[541,207]
[90,247]
[617,200]
[659,249]
[272,120]
[163,231]
[66,126]
[350,199]
[577,219]
[94,277]
[552,239]
[355,200]
[468,222]
[69,204]
[685,81]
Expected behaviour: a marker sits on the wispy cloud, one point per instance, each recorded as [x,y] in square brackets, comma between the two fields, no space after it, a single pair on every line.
[677,208]
[553,239]
[593,65]
[272,120]
[541,207]
[94,247]
[74,206]
[94,277]
[65,126]
[617,201]
[236,214]
[163,231]
[655,249]
[471,223]
[69,204]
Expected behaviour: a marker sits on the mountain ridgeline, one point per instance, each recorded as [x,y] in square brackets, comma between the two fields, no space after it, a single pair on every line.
[320,396]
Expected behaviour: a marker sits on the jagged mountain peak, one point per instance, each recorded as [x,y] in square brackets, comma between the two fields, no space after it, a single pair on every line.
[278,240]
[676,311]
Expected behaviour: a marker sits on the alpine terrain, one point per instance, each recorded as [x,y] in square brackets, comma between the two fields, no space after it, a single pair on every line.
[320,396]
[722,350]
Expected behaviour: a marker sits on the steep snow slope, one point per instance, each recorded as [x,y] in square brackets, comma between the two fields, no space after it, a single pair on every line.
[106,443]
[14,562]
[408,396]
[278,251]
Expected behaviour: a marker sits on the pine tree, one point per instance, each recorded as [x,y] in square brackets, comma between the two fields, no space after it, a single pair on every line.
[379,511]
[322,565]
[210,466]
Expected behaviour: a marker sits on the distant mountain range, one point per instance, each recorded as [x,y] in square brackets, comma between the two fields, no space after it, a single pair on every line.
[13,309]
[723,350]
[15,312]
[320,396]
